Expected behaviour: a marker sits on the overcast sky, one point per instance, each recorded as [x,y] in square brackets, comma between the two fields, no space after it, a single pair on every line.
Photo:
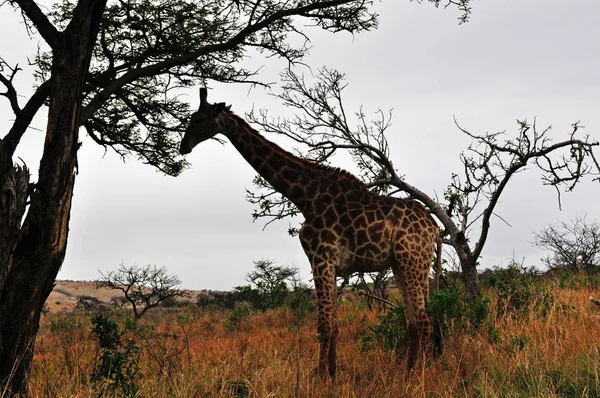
[513,60]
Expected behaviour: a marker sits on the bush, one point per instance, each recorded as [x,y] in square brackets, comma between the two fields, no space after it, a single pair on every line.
[268,288]
[87,303]
[117,366]
[301,300]
[448,311]
[225,300]
[579,280]
[65,329]
[235,317]
[520,290]
[390,334]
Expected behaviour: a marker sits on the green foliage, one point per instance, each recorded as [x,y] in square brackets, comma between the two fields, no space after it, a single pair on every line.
[449,312]
[235,317]
[268,288]
[224,300]
[390,334]
[237,388]
[478,311]
[520,290]
[65,325]
[301,301]
[518,342]
[579,280]
[582,383]
[117,366]
[148,50]
[446,305]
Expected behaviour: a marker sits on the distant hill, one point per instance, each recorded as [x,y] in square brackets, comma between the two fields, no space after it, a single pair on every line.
[64,295]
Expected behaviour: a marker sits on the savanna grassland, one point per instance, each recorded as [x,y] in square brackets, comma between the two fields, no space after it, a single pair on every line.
[532,337]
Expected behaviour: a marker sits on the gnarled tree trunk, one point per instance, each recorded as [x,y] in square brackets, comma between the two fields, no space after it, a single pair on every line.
[35,252]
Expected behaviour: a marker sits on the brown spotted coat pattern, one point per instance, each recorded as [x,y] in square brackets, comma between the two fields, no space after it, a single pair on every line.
[347,228]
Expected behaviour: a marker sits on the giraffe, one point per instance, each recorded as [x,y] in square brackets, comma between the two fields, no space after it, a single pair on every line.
[347,228]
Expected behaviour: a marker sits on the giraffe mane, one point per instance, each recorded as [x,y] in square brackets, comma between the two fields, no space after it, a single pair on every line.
[351,178]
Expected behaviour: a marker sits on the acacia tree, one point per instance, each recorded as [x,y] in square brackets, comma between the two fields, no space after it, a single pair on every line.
[322,126]
[574,245]
[143,287]
[117,68]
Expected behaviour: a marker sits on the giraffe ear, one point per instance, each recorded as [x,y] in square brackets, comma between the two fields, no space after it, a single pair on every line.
[203,95]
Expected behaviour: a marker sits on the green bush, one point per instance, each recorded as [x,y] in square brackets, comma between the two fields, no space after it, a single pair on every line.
[235,317]
[521,290]
[448,311]
[478,312]
[518,342]
[268,288]
[390,333]
[301,301]
[116,360]
[579,280]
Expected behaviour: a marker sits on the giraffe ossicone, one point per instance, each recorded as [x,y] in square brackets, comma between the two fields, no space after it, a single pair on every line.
[347,228]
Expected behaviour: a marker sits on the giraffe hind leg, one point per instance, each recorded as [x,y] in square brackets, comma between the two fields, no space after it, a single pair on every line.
[413,280]
[332,351]
[420,297]
[411,323]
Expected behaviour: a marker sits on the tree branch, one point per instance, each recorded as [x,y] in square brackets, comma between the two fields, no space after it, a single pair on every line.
[40,21]
[233,42]
[25,116]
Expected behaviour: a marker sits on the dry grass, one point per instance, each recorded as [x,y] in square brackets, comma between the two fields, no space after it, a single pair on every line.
[185,353]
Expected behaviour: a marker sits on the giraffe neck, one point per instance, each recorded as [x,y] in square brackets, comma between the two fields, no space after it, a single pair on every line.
[300,180]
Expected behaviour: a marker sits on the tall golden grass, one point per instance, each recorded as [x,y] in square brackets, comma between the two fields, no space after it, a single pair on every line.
[187,353]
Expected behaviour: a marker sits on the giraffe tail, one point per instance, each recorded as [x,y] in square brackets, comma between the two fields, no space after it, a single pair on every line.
[438,260]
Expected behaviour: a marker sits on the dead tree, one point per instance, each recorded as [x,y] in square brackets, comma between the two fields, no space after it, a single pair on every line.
[322,126]
[574,245]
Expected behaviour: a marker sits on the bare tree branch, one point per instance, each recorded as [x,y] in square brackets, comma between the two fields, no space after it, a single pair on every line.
[322,127]
[39,20]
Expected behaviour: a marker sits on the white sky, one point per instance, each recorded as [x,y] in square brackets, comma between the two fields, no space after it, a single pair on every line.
[513,60]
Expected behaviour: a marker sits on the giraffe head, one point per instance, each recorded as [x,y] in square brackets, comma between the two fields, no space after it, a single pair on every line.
[203,123]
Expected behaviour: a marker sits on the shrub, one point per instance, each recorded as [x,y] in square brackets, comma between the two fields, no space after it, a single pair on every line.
[117,360]
[579,280]
[518,342]
[65,329]
[236,316]
[222,299]
[87,303]
[301,300]
[448,311]
[268,288]
[521,290]
[390,333]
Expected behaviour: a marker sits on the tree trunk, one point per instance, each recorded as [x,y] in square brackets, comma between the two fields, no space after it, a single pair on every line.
[468,264]
[471,279]
[28,272]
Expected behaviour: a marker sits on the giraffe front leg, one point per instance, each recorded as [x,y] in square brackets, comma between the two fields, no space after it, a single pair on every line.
[324,277]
